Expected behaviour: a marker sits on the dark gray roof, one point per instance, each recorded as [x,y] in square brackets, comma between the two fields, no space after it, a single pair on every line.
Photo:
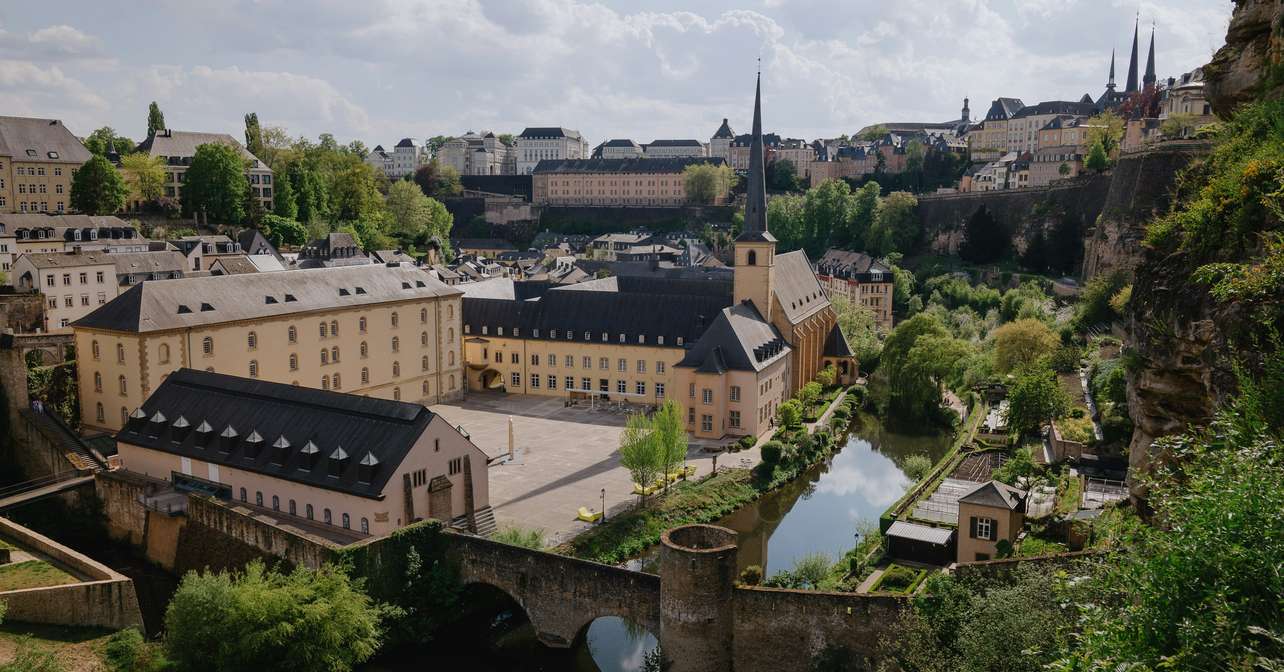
[40,141]
[1003,108]
[724,131]
[254,242]
[482,244]
[549,132]
[845,264]
[620,143]
[739,339]
[1058,107]
[996,494]
[931,535]
[796,288]
[836,344]
[638,165]
[406,142]
[183,144]
[234,264]
[676,143]
[364,428]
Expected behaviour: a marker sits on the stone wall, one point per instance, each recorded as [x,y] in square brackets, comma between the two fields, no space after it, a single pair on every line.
[21,313]
[220,535]
[104,599]
[121,494]
[998,570]
[778,630]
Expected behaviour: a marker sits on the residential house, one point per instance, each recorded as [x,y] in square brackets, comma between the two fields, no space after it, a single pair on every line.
[482,247]
[336,249]
[990,513]
[991,135]
[860,279]
[1023,127]
[61,233]
[38,158]
[78,282]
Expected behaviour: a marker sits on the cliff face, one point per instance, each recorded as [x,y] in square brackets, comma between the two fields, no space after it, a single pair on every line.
[1251,63]
[1140,189]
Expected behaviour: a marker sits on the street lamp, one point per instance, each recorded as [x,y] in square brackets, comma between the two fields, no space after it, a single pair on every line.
[603,505]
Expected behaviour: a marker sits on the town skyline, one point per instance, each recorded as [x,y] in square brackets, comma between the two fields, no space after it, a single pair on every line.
[311,75]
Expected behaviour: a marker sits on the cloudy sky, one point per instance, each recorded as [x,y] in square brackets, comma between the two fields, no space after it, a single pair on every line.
[379,70]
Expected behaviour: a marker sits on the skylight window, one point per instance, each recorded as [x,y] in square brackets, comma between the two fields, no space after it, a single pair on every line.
[183,310]
[205,307]
[269,299]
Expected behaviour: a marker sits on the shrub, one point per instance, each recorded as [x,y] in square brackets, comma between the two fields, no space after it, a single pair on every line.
[752,575]
[520,536]
[789,415]
[1021,464]
[917,467]
[1076,429]
[897,578]
[858,393]
[127,651]
[1065,358]
[772,451]
[1077,412]
[747,442]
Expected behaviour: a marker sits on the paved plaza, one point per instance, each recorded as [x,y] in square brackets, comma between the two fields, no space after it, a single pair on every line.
[565,457]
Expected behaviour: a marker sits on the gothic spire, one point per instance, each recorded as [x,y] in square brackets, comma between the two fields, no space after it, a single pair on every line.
[755,226]
[1132,63]
[1110,85]
[1149,80]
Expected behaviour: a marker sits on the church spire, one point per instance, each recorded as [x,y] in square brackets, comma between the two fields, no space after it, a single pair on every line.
[755,227]
[1110,85]
[1132,63]
[1149,80]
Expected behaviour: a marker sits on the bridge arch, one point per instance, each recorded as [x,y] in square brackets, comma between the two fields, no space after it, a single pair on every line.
[616,643]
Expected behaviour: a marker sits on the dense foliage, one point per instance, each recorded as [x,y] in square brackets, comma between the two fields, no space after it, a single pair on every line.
[97,188]
[215,184]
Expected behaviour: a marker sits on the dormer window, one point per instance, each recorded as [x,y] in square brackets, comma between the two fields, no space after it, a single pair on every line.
[605,337]
[269,299]
[290,298]
[343,291]
[53,155]
[679,340]
[535,333]
[621,338]
[659,340]
[205,307]
[499,331]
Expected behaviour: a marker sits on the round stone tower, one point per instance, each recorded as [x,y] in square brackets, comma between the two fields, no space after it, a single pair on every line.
[697,575]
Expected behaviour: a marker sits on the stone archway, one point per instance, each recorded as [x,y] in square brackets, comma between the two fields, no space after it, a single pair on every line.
[616,642]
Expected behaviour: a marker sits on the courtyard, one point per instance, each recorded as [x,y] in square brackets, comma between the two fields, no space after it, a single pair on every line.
[565,458]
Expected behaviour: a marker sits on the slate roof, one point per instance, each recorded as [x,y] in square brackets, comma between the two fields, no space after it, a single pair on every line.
[389,256]
[724,131]
[548,132]
[996,494]
[196,301]
[738,339]
[377,432]
[843,263]
[797,290]
[183,144]
[1057,107]
[148,262]
[675,164]
[925,533]
[61,223]
[482,244]
[68,259]
[405,142]
[676,143]
[235,265]
[47,139]
[1003,108]
[253,241]
[618,142]
[836,344]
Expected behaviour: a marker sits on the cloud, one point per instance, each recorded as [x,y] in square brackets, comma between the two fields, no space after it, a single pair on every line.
[30,90]
[50,43]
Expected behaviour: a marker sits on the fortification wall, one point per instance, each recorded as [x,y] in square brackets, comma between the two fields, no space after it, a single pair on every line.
[785,629]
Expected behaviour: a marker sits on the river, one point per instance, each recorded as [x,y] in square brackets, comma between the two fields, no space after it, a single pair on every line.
[817,512]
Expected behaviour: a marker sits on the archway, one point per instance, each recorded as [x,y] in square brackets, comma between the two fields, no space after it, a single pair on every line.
[492,381]
[613,644]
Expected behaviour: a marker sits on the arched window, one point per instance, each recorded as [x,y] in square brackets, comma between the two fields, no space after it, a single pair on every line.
[308,511]
[207,345]
[98,412]
[325,356]
[423,338]
[164,353]
[294,510]
[426,388]
[337,385]
[450,358]
[347,522]
[361,325]
[322,329]
[98,382]
[450,310]
[334,327]
[252,340]
[752,259]
[396,369]
[124,416]
[294,362]
[396,344]
[365,376]
[334,354]
[365,350]
[395,319]
[94,348]
[423,316]
[452,381]
[327,517]
[124,388]
[120,353]
[365,525]
[276,503]
[243,495]
[258,497]
[325,382]
[254,368]
[450,335]
[424,363]
[396,394]
[293,334]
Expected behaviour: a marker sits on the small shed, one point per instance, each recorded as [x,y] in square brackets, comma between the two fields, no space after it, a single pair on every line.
[920,543]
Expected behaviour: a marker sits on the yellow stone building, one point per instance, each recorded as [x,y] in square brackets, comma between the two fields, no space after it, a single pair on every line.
[37,160]
[373,330]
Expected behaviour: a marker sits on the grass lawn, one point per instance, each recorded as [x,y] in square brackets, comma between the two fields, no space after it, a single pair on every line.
[1068,490]
[1033,546]
[32,574]
[628,534]
[899,579]
[74,649]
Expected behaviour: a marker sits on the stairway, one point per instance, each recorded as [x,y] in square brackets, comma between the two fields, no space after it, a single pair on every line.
[485,518]
[58,433]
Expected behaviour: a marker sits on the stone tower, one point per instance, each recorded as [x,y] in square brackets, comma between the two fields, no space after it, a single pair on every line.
[967,112]
[698,566]
[755,248]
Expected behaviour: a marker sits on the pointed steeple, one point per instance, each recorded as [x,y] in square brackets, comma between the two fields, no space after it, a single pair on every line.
[1149,80]
[1132,62]
[755,227]
[1110,84]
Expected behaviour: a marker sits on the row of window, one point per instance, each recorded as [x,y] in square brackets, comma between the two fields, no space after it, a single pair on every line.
[66,278]
[69,300]
[603,363]
[516,332]
[35,171]
[706,394]
[586,385]
[308,512]
[32,189]
[23,206]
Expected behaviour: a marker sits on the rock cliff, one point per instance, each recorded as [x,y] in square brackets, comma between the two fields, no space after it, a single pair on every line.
[1251,63]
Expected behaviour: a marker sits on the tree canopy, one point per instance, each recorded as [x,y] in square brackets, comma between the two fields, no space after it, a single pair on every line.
[215,185]
[155,119]
[437,180]
[1022,343]
[705,183]
[106,138]
[97,189]
[144,175]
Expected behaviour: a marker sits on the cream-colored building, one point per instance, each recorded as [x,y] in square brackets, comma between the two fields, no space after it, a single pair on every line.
[990,513]
[62,233]
[1024,126]
[861,279]
[176,149]
[674,149]
[478,154]
[38,158]
[320,460]
[992,133]
[618,148]
[720,142]
[616,182]
[1185,98]
[73,285]
[548,143]
[373,330]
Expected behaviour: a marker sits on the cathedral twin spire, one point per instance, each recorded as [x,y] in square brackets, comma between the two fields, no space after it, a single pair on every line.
[1150,78]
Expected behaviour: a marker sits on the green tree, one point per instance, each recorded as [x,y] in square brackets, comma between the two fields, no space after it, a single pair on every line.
[858,326]
[507,139]
[786,221]
[1022,343]
[155,119]
[283,201]
[706,183]
[438,180]
[254,135]
[310,192]
[782,175]
[417,219]
[808,394]
[789,414]
[265,620]
[640,451]
[97,189]
[1106,129]
[915,397]
[106,138]
[864,204]
[1097,159]
[827,212]
[1063,169]
[353,195]
[872,133]
[283,231]
[895,227]
[215,185]
[144,175]
[436,142]
[671,435]
[1034,398]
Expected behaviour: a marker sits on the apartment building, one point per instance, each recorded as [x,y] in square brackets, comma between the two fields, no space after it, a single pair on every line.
[548,143]
[1024,126]
[176,149]
[73,285]
[615,182]
[478,154]
[37,160]
[674,149]
[738,153]
[991,135]
[359,467]
[379,331]
[861,279]
[619,148]
[61,233]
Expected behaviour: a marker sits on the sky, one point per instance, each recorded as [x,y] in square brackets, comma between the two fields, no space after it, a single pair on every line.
[381,70]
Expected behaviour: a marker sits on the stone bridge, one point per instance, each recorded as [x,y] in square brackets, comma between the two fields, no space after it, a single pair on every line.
[561,595]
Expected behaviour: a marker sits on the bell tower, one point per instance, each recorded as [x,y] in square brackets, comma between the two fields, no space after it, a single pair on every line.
[755,248]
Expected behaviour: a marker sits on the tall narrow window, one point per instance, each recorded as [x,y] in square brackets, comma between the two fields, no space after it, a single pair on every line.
[252,340]
[254,368]
[207,345]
